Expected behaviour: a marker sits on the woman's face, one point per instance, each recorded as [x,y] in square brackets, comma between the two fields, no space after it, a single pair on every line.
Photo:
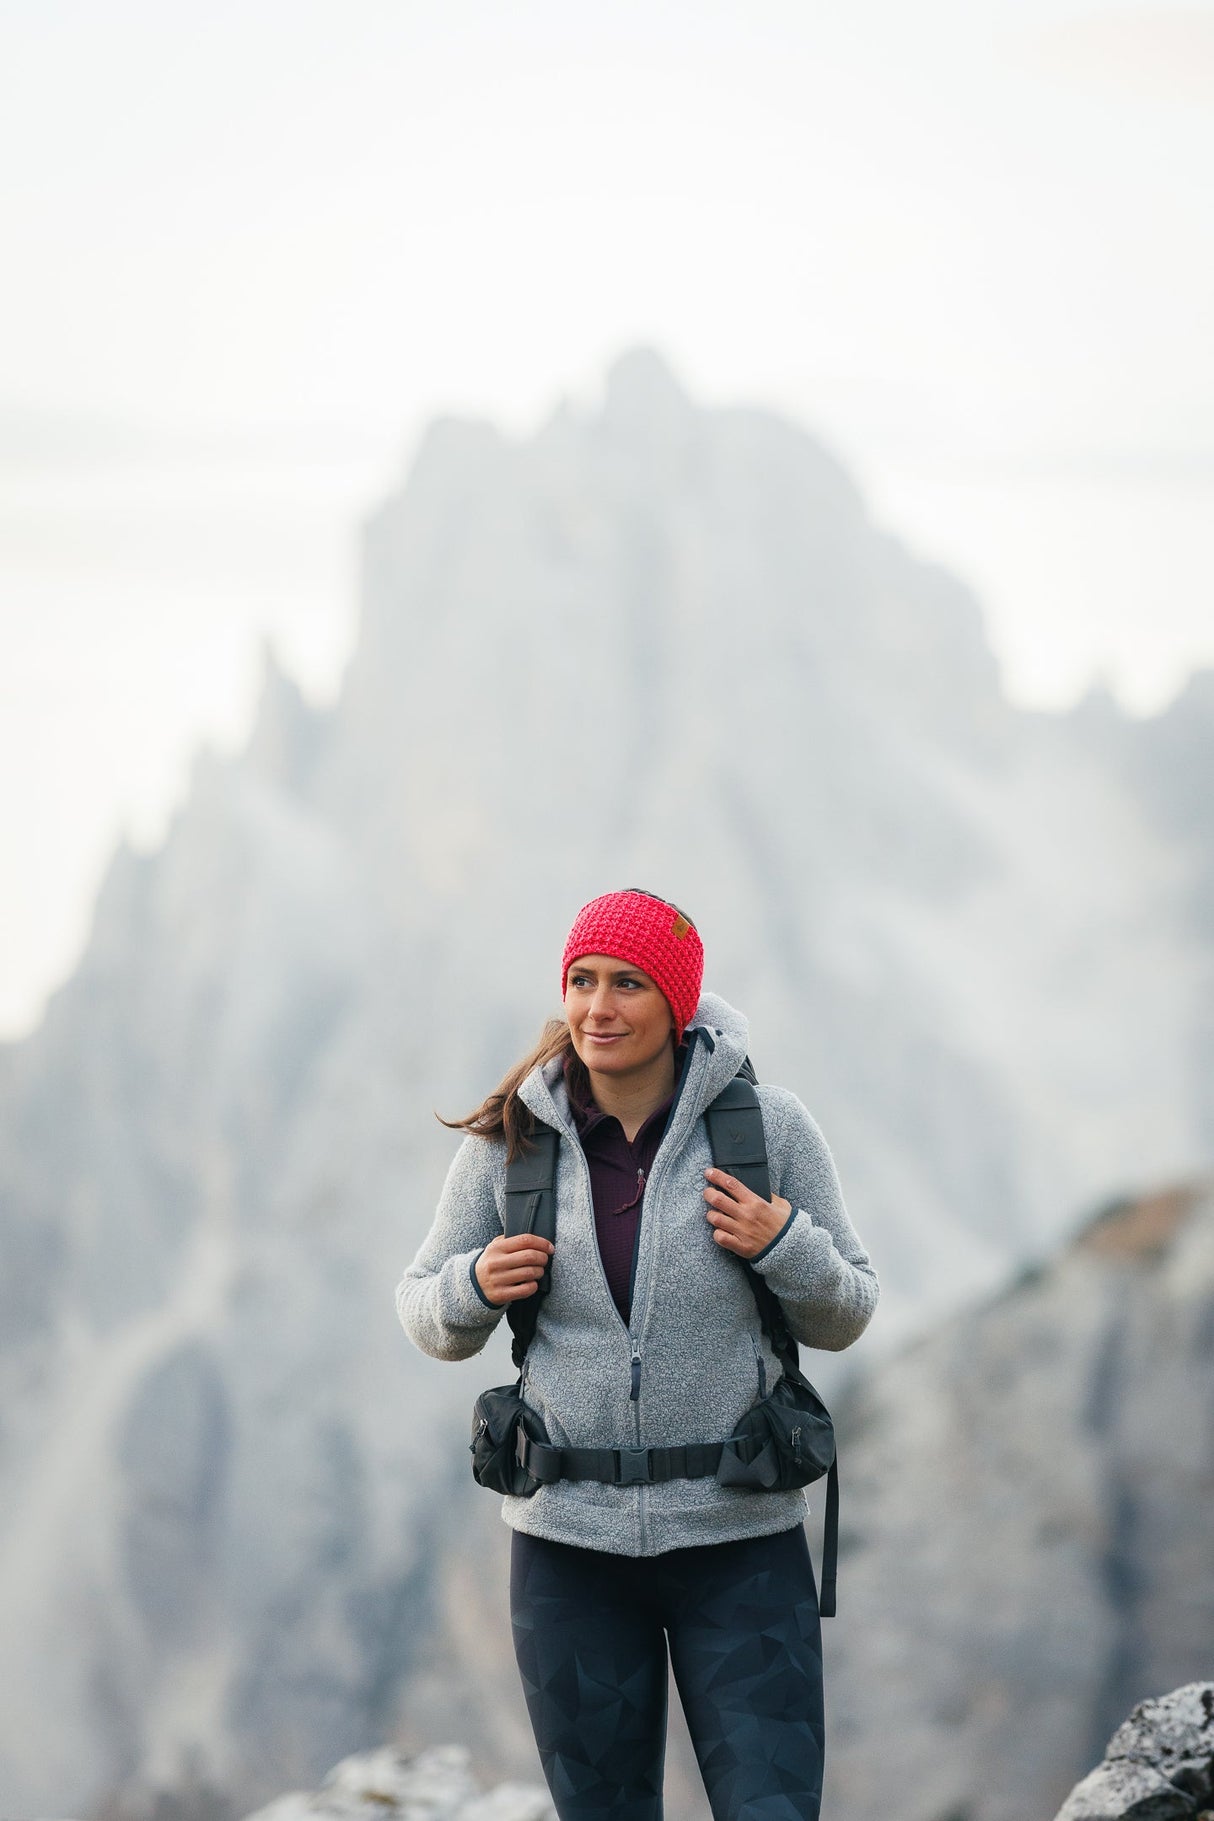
[619,1019]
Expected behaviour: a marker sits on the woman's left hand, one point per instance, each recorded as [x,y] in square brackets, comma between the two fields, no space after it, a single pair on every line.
[744,1223]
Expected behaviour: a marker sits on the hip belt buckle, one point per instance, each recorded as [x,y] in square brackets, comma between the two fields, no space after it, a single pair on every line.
[634,1467]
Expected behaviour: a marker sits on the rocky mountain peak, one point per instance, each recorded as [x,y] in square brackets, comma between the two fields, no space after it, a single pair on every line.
[288,733]
[643,393]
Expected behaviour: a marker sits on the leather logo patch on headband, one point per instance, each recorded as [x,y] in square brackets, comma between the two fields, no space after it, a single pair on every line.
[680,927]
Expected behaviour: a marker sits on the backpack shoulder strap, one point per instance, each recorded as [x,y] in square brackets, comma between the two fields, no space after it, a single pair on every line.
[531,1208]
[735,1133]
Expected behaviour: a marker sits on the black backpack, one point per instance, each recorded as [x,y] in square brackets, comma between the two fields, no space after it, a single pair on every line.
[783,1441]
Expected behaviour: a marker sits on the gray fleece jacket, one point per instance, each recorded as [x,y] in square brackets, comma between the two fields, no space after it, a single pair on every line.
[687,1365]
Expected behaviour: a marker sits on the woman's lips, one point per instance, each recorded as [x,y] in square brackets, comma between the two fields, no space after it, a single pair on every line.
[605,1036]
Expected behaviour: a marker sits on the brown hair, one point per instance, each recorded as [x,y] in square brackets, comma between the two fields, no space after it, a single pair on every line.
[502,1113]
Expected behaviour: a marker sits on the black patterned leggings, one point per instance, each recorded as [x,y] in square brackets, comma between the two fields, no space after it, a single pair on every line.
[590,1636]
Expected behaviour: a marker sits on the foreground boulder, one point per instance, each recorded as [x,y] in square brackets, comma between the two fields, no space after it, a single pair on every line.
[388,1785]
[1159,1765]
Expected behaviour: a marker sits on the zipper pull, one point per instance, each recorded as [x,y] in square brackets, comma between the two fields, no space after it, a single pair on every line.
[635,1393]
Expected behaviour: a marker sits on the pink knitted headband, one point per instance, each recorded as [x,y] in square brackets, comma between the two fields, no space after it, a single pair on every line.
[653,935]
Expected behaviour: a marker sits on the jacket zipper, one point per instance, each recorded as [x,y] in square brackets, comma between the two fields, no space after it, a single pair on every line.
[634,1341]
[642,1491]
[634,1348]
[639,1326]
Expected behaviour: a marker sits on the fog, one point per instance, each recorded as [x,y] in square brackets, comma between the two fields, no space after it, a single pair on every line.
[251,250]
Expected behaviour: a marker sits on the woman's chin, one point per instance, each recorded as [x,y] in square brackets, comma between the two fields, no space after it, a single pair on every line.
[599,1055]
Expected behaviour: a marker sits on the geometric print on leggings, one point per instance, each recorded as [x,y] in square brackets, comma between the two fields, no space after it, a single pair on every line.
[748,1667]
[594,1673]
[590,1635]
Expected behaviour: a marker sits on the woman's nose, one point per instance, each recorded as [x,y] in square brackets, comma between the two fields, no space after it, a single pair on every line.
[600,1003]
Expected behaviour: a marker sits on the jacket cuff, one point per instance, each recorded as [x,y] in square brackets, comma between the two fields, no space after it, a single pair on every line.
[476,1283]
[463,1302]
[801,1265]
[792,1264]
[774,1242]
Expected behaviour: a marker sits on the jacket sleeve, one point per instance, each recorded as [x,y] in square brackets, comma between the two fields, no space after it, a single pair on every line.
[815,1264]
[438,1300]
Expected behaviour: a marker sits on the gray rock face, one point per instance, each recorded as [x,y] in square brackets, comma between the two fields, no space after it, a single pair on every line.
[1026,1542]
[650,644]
[1159,1765]
[387,1785]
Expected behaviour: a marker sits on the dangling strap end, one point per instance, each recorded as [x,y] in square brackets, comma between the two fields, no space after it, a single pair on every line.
[830,1543]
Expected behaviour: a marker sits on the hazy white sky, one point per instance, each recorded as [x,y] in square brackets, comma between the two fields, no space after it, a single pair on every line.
[250,247]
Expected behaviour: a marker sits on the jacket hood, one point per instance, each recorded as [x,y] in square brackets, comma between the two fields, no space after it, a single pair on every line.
[725,1025]
[718,1036]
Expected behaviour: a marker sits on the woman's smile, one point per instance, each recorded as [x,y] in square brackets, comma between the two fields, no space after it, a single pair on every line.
[617,1014]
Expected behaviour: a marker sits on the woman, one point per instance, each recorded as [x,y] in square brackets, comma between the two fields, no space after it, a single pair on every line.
[649,1337]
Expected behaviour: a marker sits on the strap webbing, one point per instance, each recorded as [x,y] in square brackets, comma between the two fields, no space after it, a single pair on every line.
[531,1208]
[618,1466]
[830,1543]
[735,1132]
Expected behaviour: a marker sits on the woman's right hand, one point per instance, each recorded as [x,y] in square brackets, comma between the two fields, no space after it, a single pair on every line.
[510,1268]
